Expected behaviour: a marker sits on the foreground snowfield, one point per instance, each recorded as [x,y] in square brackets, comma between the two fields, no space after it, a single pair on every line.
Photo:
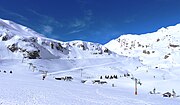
[24,87]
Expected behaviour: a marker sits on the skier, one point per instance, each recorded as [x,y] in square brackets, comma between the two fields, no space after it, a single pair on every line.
[154,90]
[173,93]
[43,77]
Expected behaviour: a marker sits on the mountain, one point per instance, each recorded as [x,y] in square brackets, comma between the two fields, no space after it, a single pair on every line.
[22,43]
[158,49]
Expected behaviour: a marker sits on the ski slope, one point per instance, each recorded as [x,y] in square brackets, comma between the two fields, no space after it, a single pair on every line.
[24,87]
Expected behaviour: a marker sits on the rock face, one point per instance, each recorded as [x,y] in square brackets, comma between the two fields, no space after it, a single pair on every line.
[162,46]
[33,55]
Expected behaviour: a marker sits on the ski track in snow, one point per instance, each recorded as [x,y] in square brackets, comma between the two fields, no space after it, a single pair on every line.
[85,67]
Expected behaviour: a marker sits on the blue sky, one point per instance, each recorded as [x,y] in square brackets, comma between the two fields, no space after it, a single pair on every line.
[91,20]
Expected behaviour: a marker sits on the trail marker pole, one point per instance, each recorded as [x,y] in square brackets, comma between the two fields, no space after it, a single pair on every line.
[135,87]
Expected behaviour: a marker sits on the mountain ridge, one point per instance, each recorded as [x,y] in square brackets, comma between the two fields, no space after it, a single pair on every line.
[161,46]
[24,42]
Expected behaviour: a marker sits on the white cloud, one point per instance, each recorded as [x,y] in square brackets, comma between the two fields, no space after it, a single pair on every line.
[45,19]
[78,23]
[12,14]
[74,31]
[74,25]
[47,24]
[47,29]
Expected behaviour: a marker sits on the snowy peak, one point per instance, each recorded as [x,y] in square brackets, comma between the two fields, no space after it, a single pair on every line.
[157,48]
[10,27]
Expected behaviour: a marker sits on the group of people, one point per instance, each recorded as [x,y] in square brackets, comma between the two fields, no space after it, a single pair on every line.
[5,71]
[167,94]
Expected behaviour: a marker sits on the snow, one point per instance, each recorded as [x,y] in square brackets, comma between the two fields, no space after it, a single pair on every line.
[26,87]
[86,61]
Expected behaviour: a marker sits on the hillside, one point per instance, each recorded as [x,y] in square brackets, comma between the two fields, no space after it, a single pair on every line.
[158,49]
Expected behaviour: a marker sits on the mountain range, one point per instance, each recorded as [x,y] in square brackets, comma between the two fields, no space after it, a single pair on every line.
[36,70]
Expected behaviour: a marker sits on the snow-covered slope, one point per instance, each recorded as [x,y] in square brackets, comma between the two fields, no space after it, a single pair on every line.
[159,52]
[159,49]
